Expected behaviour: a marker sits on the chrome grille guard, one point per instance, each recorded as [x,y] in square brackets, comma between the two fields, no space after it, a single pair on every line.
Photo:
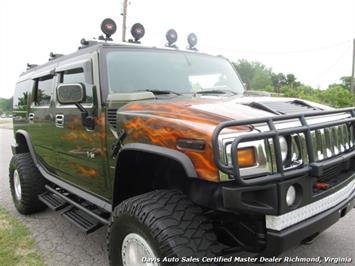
[315,167]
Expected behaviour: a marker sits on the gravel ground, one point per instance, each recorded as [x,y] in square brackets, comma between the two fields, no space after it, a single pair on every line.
[61,243]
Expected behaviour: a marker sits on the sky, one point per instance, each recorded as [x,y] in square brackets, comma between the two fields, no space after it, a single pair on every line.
[311,39]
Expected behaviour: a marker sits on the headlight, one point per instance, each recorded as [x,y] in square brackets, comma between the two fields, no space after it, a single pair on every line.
[284,148]
[291,147]
[258,157]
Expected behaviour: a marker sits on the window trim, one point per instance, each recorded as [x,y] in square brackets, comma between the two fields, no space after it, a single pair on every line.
[35,90]
[85,64]
[28,89]
[60,76]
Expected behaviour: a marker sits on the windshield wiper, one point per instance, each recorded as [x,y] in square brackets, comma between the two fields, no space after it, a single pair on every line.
[216,91]
[158,92]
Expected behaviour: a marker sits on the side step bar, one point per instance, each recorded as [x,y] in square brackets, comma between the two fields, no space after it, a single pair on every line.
[83,214]
[81,219]
[54,202]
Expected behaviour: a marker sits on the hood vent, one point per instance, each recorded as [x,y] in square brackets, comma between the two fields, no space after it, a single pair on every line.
[112,117]
[283,108]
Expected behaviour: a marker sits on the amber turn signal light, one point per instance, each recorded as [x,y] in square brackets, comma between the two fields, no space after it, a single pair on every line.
[246,157]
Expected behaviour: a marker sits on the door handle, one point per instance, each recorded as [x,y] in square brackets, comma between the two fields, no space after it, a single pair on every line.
[59,120]
[31,117]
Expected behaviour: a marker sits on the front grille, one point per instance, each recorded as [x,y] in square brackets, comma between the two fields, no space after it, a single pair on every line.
[112,117]
[331,141]
[330,172]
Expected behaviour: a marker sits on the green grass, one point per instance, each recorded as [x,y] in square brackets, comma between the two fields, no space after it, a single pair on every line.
[16,244]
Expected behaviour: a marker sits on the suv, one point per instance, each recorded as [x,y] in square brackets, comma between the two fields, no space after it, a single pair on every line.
[166,148]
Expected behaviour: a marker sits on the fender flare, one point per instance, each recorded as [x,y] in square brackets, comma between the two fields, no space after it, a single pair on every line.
[175,155]
[28,140]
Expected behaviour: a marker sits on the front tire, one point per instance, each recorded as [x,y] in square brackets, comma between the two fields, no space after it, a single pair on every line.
[157,225]
[26,183]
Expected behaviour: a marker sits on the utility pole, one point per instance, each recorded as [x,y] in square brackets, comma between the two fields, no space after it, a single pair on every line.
[124,19]
[353,72]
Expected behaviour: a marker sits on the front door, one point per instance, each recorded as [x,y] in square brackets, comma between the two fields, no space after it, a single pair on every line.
[81,153]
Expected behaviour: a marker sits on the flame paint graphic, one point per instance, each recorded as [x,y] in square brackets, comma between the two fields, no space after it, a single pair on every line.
[93,141]
[86,171]
[162,124]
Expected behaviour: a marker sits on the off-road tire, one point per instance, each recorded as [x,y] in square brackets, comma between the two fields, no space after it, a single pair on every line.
[171,224]
[32,184]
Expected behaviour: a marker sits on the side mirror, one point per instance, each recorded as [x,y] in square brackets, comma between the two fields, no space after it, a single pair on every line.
[71,93]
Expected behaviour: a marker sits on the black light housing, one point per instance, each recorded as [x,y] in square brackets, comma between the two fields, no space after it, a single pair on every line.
[192,40]
[108,27]
[171,36]
[137,32]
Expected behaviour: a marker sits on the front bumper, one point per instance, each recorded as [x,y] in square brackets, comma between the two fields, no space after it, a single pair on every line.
[286,220]
[279,241]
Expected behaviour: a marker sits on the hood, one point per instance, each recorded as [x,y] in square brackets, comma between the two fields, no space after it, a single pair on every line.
[214,111]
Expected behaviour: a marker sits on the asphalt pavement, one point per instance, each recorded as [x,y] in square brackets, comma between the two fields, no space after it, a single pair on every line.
[61,243]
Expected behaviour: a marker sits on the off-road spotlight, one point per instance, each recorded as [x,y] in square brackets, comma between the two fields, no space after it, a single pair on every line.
[137,32]
[108,27]
[192,40]
[171,36]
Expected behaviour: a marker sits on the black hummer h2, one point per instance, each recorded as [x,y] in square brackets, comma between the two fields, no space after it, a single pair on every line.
[166,148]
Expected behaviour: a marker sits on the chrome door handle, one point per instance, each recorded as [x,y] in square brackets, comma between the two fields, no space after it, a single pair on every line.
[59,120]
[31,117]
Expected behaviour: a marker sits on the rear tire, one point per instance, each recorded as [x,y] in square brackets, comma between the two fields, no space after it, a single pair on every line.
[26,183]
[169,223]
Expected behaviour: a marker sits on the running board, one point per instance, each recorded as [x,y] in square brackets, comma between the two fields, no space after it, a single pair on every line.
[81,219]
[54,202]
[81,213]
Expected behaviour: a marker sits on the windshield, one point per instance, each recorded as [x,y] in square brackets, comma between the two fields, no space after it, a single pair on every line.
[139,70]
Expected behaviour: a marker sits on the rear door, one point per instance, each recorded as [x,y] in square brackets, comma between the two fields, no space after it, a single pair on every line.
[41,119]
[81,152]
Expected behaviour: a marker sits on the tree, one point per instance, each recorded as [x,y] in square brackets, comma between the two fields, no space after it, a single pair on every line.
[346,82]
[337,96]
[259,77]
[292,81]
[5,105]
[255,75]
[278,80]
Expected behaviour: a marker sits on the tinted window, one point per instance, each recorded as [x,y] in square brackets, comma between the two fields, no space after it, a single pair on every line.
[44,90]
[22,94]
[77,76]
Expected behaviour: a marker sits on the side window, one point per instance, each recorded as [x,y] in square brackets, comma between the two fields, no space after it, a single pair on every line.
[77,76]
[22,95]
[43,90]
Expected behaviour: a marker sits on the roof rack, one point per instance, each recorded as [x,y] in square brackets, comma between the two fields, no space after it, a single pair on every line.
[85,43]
[29,66]
[53,56]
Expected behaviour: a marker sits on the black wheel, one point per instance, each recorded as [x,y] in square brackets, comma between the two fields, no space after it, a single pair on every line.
[26,183]
[157,225]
